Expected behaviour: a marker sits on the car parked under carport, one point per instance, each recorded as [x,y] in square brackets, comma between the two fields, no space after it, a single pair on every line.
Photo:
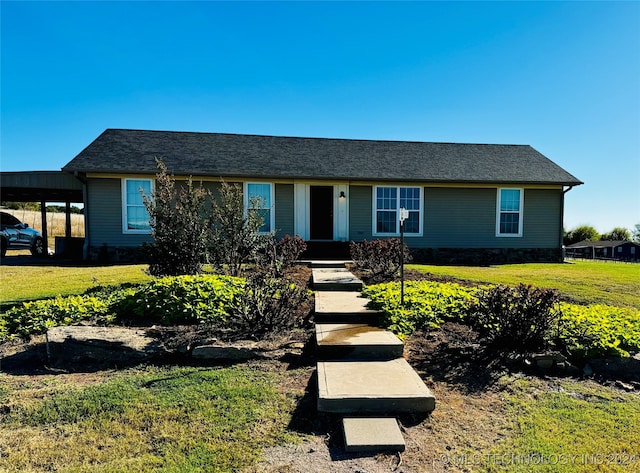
[15,235]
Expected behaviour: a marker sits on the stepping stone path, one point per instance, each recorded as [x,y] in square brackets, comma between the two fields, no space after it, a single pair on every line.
[361,371]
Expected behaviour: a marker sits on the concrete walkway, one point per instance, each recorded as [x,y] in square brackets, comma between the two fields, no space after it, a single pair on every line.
[361,370]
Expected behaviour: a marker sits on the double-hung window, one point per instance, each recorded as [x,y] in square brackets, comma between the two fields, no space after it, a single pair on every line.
[135,218]
[509,212]
[259,199]
[387,204]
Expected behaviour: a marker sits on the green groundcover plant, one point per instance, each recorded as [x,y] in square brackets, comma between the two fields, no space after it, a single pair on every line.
[585,331]
[168,300]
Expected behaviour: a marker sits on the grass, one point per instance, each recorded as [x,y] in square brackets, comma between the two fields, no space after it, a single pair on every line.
[584,282]
[24,283]
[568,426]
[151,419]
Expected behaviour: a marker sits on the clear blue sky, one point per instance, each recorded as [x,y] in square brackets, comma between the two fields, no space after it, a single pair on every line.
[562,77]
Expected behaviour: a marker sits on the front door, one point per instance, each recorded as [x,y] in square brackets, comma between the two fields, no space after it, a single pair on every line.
[321,212]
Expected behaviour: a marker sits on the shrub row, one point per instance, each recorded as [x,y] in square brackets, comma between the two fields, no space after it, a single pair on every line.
[260,304]
[511,316]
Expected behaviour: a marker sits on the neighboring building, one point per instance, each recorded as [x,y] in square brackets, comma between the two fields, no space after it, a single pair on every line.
[467,202]
[603,249]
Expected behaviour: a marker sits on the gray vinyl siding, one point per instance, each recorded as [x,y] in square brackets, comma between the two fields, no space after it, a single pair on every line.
[459,218]
[466,218]
[542,213]
[105,219]
[360,213]
[284,208]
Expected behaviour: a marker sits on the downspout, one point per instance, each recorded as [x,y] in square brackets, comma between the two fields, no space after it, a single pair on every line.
[564,191]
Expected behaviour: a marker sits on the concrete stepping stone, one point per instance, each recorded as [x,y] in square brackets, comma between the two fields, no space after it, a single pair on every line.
[354,387]
[372,434]
[335,279]
[356,341]
[343,306]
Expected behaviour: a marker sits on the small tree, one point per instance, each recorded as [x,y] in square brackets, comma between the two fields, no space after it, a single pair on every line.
[617,234]
[235,233]
[178,226]
[636,233]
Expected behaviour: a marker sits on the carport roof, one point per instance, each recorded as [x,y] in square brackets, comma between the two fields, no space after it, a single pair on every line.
[37,186]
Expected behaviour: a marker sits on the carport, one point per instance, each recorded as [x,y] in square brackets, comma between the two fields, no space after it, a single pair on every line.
[43,187]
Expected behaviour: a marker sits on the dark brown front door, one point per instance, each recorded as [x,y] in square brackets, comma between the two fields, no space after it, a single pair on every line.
[321,203]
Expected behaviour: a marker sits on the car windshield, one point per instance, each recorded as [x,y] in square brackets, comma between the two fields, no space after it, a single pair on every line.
[8,219]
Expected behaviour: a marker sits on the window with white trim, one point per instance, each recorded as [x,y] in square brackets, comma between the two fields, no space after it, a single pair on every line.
[509,212]
[135,218]
[259,198]
[387,202]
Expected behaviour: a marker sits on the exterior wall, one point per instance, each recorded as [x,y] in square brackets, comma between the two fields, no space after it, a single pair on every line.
[360,212]
[284,203]
[105,218]
[455,219]
[460,225]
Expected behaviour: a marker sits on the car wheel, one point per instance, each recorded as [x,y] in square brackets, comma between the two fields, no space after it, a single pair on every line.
[3,247]
[37,249]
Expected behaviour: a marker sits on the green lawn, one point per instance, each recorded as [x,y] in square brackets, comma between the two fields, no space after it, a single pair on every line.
[149,419]
[572,427]
[584,282]
[23,283]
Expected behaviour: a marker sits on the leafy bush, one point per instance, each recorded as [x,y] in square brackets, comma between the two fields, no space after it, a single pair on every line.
[182,299]
[427,304]
[519,318]
[179,230]
[235,237]
[281,254]
[32,318]
[379,258]
[600,330]
[266,305]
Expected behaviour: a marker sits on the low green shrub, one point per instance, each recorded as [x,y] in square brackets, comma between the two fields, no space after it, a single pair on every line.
[600,330]
[182,299]
[426,304]
[32,318]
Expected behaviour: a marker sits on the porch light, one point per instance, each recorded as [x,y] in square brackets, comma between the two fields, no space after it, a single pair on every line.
[342,196]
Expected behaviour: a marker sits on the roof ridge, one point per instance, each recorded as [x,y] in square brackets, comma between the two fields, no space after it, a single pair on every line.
[365,140]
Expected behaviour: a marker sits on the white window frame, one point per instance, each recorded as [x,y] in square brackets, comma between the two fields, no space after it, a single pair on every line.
[499,212]
[272,198]
[125,206]
[397,210]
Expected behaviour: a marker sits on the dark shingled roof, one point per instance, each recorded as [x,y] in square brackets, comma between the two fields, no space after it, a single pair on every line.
[600,244]
[251,156]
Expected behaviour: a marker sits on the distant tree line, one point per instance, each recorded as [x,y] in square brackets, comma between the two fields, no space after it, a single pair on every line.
[35,206]
[589,233]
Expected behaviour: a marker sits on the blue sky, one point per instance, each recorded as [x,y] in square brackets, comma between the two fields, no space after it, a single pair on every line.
[563,77]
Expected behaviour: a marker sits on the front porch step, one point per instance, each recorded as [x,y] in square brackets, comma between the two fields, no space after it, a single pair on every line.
[335,279]
[343,306]
[372,434]
[356,342]
[372,387]
[327,264]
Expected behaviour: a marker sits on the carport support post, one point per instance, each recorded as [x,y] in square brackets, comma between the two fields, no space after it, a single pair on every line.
[67,223]
[45,233]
